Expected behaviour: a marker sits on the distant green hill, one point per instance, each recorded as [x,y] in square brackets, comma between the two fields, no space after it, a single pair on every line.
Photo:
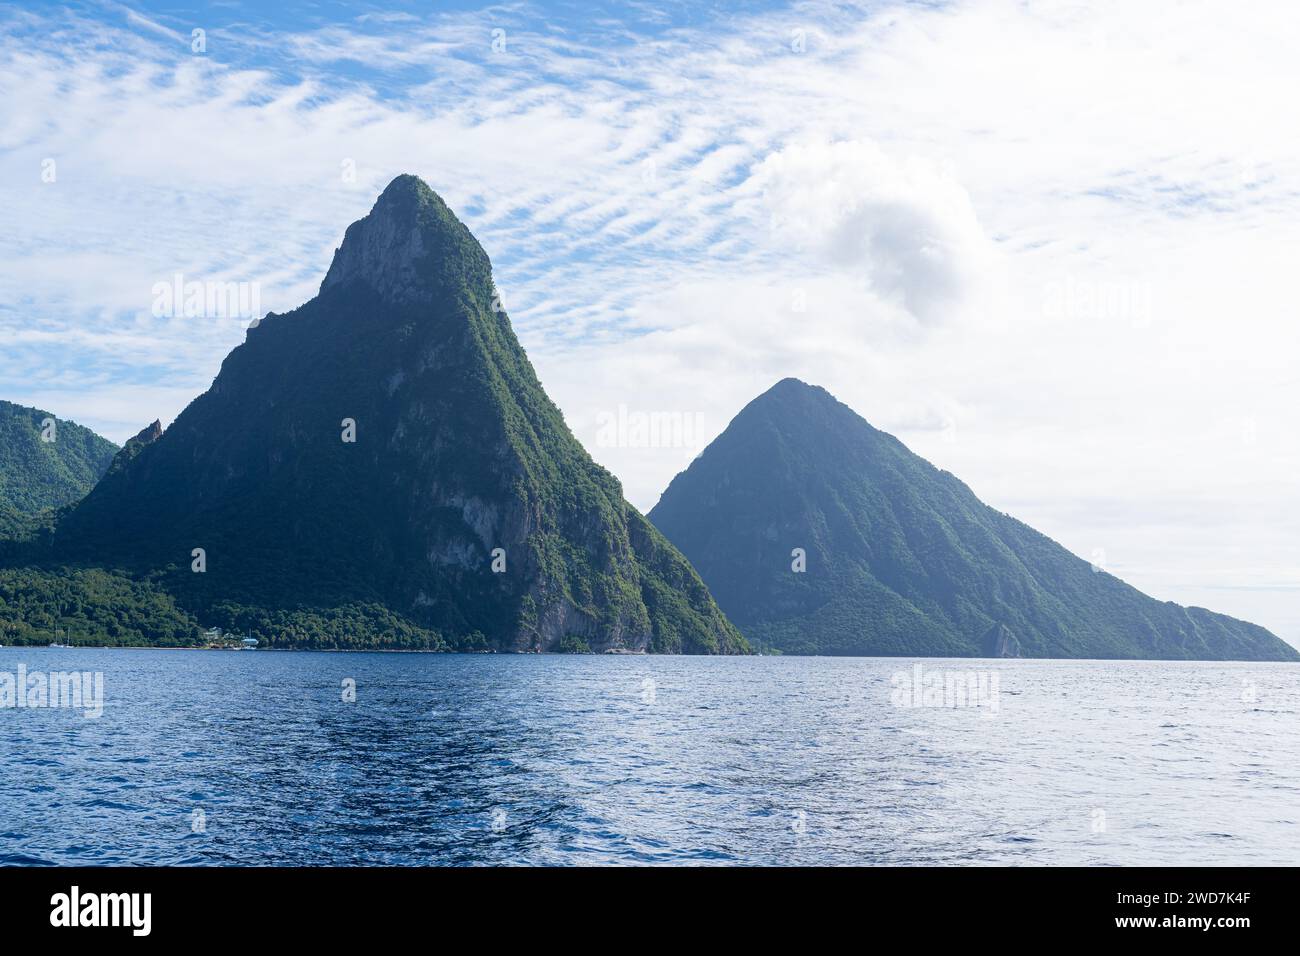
[46,462]
[901,558]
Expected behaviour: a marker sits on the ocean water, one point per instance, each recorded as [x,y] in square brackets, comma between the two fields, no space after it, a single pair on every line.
[257,758]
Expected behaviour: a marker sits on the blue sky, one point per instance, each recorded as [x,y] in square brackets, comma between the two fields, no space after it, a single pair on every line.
[1049,246]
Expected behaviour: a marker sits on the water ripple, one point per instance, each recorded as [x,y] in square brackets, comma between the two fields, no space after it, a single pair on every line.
[220,758]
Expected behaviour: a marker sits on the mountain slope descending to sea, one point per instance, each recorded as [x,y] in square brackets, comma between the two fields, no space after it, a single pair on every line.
[899,557]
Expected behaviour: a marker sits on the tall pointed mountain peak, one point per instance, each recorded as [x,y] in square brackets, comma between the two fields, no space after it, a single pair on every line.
[817,533]
[410,249]
[794,418]
[398,477]
[792,386]
[796,395]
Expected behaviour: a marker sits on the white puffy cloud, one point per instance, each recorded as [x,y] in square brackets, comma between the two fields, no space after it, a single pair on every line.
[906,227]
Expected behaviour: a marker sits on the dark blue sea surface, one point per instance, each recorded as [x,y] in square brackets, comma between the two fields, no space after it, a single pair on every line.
[256,758]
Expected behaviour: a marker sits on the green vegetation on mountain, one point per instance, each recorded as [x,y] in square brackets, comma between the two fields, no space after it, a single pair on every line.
[381,467]
[45,462]
[900,557]
[15,524]
[89,606]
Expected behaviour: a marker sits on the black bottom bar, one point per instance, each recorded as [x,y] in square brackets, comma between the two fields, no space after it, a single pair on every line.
[1225,906]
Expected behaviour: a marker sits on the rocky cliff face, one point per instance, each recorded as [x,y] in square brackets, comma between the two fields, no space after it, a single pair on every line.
[146,436]
[998,641]
[408,250]
[389,443]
